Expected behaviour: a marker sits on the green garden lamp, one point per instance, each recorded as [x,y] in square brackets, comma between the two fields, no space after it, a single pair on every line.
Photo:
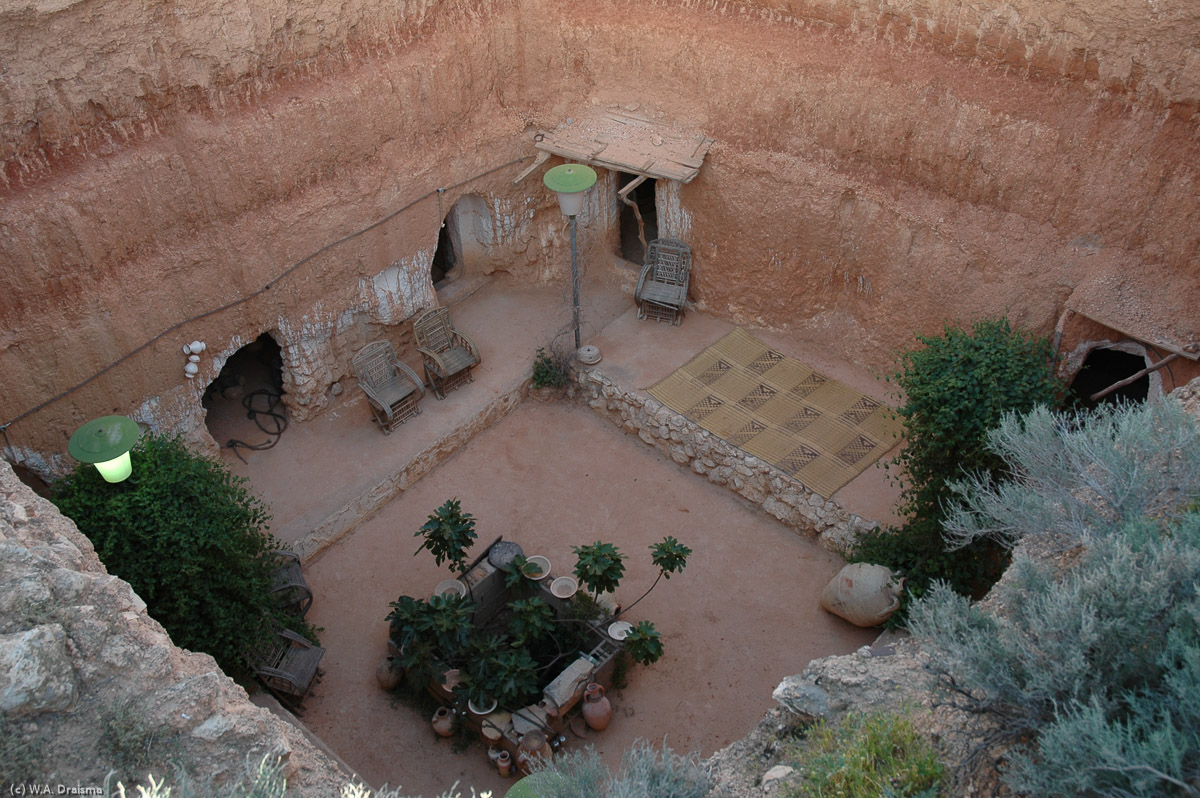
[570,181]
[105,443]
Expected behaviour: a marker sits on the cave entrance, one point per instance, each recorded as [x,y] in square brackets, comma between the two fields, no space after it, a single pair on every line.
[444,259]
[1103,367]
[643,196]
[463,243]
[245,400]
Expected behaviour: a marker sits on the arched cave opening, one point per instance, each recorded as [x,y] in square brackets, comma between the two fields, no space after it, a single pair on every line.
[245,400]
[1104,367]
[444,258]
[643,197]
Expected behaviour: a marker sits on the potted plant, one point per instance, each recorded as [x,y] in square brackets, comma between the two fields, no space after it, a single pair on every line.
[448,533]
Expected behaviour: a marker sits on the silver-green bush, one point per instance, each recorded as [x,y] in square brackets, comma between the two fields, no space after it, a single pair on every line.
[1093,674]
[644,773]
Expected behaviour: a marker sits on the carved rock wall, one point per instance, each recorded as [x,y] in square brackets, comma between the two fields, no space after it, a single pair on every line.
[879,168]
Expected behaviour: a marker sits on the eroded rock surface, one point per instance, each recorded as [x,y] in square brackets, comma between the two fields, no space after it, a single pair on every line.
[92,683]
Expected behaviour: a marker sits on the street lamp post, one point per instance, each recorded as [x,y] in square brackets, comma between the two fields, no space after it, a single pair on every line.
[570,181]
[105,443]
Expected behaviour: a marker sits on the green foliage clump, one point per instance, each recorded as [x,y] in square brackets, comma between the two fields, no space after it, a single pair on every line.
[448,533]
[191,539]
[599,567]
[866,757]
[956,387]
[549,370]
[644,773]
[1092,674]
[644,643]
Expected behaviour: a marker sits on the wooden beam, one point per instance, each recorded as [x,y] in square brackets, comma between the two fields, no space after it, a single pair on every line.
[542,157]
[1134,377]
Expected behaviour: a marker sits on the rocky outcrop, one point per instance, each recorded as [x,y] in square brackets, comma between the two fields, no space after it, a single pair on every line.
[90,683]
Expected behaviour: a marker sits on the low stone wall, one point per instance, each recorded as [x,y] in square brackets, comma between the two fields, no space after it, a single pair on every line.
[722,464]
[351,515]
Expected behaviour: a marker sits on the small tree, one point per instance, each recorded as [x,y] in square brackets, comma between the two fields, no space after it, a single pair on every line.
[191,540]
[671,558]
[448,533]
[956,387]
[599,567]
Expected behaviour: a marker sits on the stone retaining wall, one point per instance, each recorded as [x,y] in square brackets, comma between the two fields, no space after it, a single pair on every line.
[686,443]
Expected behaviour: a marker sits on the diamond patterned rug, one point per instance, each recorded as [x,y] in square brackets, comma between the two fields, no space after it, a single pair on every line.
[813,428]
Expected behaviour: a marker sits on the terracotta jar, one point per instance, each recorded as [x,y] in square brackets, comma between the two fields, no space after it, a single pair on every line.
[532,748]
[443,721]
[504,764]
[597,710]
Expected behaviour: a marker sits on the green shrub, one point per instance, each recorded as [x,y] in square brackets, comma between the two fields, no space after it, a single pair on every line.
[866,757]
[644,773]
[1093,675]
[550,369]
[956,387]
[190,538]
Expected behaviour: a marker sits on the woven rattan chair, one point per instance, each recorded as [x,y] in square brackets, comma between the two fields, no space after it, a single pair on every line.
[288,666]
[392,388]
[288,584]
[449,355]
[663,284]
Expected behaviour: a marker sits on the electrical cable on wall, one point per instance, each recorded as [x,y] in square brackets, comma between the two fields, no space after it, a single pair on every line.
[439,191]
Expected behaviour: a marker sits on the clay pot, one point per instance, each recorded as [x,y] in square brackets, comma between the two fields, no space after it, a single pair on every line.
[532,748]
[443,721]
[597,710]
[388,674]
[504,764]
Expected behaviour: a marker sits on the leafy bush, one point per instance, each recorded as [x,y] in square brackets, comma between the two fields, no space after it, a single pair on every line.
[599,567]
[644,773]
[550,370]
[448,533]
[956,388]
[191,540]
[866,757]
[1092,674]
[644,643]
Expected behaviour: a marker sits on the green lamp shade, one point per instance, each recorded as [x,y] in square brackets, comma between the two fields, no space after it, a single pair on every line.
[569,181]
[105,442]
[117,469]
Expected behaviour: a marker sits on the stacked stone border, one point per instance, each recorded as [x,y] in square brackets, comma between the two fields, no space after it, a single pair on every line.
[723,464]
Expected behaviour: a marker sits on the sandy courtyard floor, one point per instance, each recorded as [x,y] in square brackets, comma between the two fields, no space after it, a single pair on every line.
[740,618]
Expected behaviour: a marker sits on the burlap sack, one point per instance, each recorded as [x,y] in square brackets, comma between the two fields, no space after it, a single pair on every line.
[865,595]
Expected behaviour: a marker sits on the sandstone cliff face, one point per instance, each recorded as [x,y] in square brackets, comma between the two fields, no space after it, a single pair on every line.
[879,168]
[89,682]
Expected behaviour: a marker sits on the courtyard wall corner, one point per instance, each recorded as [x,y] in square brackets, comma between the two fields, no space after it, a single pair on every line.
[784,498]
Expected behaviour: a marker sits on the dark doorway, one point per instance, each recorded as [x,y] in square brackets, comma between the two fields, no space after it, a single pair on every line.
[643,197]
[244,403]
[443,257]
[1104,367]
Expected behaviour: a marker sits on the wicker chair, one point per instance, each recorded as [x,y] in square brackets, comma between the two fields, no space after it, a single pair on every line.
[288,584]
[449,355]
[288,666]
[663,284]
[392,388]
